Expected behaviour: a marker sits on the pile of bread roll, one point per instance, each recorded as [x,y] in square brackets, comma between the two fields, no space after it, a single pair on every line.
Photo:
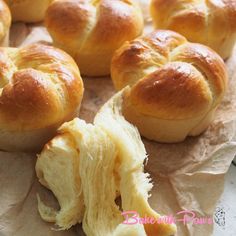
[172,81]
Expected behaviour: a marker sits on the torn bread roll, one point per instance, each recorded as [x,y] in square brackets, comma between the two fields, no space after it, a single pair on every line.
[208,22]
[176,86]
[5,23]
[98,162]
[40,89]
[29,11]
[91,31]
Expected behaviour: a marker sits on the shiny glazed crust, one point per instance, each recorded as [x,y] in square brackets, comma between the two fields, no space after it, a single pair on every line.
[40,88]
[91,31]
[209,22]
[175,85]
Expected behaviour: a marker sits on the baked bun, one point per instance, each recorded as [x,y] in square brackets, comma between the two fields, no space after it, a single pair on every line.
[175,85]
[91,31]
[40,88]
[209,22]
[99,163]
[29,11]
[5,22]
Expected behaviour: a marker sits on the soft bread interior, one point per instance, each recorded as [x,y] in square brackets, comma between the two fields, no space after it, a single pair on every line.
[57,168]
[134,183]
[110,156]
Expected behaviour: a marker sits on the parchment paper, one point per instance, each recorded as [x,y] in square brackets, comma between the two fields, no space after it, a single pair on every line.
[186,176]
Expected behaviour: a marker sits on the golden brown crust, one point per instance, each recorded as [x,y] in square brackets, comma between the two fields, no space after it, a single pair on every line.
[92,30]
[175,91]
[28,10]
[208,22]
[42,87]
[116,23]
[171,81]
[68,19]
[207,62]
[5,20]
[142,56]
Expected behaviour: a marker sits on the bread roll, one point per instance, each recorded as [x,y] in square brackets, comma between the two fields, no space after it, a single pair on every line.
[40,88]
[91,31]
[208,22]
[29,11]
[176,86]
[98,161]
[5,23]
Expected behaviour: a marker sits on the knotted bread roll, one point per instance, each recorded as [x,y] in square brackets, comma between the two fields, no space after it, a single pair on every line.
[40,88]
[29,11]
[176,86]
[91,31]
[209,22]
[99,162]
[5,23]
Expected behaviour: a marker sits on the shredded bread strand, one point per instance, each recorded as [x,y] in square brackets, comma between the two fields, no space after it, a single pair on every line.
[110,156]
